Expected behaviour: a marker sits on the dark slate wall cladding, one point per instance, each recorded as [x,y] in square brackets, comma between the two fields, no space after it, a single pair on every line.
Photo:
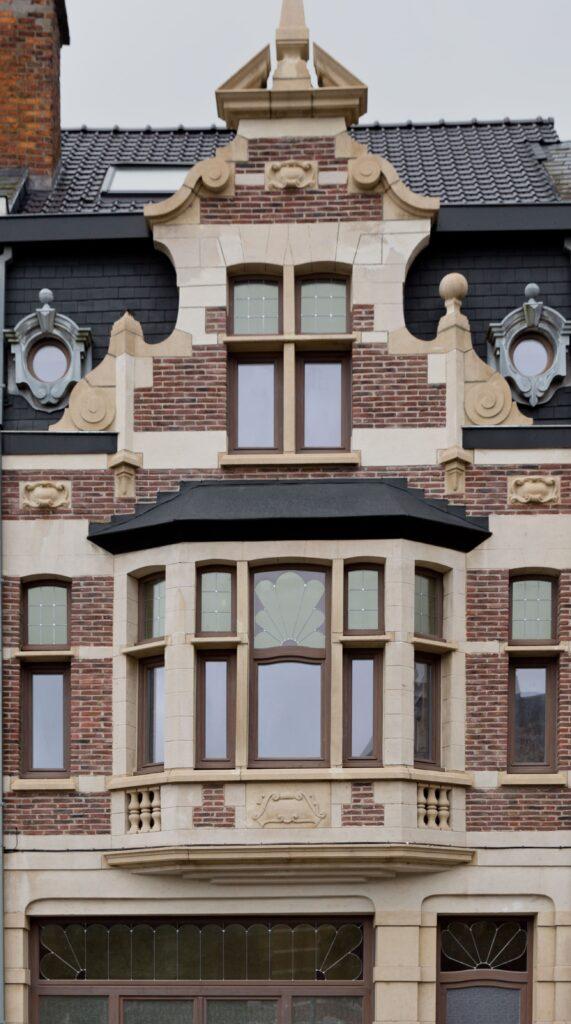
[94,284]
[498,268]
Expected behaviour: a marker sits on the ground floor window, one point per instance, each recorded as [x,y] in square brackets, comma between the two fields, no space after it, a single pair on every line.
[202,972]
[485,965]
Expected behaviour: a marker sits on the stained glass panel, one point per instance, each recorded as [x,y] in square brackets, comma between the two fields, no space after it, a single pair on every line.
[289,609]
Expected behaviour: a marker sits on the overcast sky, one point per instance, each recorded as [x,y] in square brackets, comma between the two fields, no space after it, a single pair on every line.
[158,62]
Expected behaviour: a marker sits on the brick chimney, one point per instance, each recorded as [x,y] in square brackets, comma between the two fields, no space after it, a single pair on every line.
[32,33]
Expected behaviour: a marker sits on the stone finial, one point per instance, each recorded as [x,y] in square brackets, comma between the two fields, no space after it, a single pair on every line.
[532,308]
[292,47]
[46,313]
[453,290]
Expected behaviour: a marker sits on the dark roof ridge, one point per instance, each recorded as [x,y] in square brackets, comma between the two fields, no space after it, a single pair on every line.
[441,122]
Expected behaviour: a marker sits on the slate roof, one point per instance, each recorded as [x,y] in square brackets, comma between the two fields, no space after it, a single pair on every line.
[290,510]
[466,162]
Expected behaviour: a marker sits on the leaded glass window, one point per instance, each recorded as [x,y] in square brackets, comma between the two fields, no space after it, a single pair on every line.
[153,608]
[484,943]
[485,970]
[427,604]
[47,615]
[215,601]
[323,308]
[289,609]
[362,595]
[256,307]
[532,610]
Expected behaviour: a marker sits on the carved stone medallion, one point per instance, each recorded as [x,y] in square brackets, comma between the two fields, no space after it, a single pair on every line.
[534,490]
[92,408]
[45,494]
[290,806]
[291,174]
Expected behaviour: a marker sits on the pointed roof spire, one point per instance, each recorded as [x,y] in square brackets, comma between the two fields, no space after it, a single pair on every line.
[292,46]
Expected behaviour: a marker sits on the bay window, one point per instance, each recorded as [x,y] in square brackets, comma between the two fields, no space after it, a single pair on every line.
[362,738]
[152,608]
[363,599]
[426,710]
[216,600]
[151,714]
[427,604]
[289,654]
[215,709]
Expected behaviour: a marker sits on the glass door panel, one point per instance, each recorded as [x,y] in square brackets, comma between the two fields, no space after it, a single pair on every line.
[74,1010]
[483,1004]
[157,1011]
[327,1010]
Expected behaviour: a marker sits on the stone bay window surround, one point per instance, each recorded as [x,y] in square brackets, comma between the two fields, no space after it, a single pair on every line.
[286,583]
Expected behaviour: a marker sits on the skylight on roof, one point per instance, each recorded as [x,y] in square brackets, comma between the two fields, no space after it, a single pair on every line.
[146,179]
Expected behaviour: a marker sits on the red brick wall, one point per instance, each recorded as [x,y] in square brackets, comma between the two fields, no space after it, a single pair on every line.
[187,394]
[252,204]
[518,808]
[487,602]
[29,85]
[362,810]
[393,391]
[487,489]
[57,813]
[363,318]
[91,611]
[216,320]
[213,812]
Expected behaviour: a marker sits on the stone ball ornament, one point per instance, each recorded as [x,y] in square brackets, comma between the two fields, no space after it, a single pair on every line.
[453,288]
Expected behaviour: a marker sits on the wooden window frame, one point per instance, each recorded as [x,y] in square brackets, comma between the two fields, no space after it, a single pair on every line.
[215,567]
[143,763]
[143,583]
[432,574]
[349,656]
[549,766]
[302,279]
[379,568]
[228,656]
[252,278]
[521,980]
[234,360]
[303,655]
[27,671]
[544,578]
[436,736]
[48,581]
[301,359]
[117,991]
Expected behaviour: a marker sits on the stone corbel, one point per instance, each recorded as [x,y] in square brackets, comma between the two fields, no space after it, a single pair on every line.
[455,461]
[371,173]
[125,465]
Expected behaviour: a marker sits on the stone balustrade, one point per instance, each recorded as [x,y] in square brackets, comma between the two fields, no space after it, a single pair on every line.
[144,809]
[433,804]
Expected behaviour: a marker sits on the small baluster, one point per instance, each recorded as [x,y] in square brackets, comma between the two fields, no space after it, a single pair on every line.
[421,805]
[431,807]
[145,810]
[156,810]
[134,811]
[444,808]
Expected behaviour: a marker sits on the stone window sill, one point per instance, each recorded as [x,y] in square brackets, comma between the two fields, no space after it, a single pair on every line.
[290,459]
[47,655]
[531,649]
[399,773]
[533,779]
[433,646]
[366,640]
[215,642]
[274,342]
[43,785]
[148,649]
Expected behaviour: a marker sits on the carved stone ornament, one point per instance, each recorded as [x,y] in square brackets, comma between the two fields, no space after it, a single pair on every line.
[92,408]
[288,808]
[533,379]
[366,172]
[534,490]
[291,174]
[488,401]
[216,174]
[45,494]
[48,354]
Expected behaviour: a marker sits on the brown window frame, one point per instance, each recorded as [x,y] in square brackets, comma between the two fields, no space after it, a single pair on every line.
[349,656]
[380,569]
[522,980]
[26,673]
[432,574]
[252,278]
[234,360]
[303,357]
[143,763]
[551,694]
[215,567]
[117,991]
[228,656]
[142,584]
[48,581]
[436,738]
[546,578]
[302,279]
[303,655]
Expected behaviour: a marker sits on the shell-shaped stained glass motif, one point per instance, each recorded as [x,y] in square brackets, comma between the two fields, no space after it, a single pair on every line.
[289,609]
[202,951]
[486,943]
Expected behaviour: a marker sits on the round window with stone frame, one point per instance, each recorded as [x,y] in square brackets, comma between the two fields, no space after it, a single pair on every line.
[531,354]
[48,360]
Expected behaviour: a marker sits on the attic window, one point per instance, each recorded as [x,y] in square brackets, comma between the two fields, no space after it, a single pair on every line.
[144,179]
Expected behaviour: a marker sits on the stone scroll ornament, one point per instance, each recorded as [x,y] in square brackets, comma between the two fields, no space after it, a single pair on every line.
[45,494]
[534,490]
[288,809]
